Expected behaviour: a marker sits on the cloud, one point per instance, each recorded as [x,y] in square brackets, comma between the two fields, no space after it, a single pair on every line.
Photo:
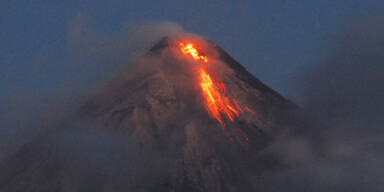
[92,56]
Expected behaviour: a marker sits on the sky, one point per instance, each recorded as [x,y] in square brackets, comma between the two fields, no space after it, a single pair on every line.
[275,40]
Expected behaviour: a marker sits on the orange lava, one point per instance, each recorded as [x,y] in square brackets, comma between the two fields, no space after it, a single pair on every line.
[217,102]
[188,48]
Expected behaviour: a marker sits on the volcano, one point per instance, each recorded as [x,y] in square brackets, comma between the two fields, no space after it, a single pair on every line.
[198,121]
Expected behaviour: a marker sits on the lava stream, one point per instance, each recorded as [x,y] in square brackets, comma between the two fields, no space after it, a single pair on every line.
[217,101]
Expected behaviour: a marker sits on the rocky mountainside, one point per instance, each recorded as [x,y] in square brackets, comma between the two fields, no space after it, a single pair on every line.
[178,119]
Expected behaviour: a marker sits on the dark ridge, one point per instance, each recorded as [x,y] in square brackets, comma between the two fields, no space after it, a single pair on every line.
[163,43]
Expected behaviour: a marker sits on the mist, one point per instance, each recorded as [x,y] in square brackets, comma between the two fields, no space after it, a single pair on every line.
[342,99]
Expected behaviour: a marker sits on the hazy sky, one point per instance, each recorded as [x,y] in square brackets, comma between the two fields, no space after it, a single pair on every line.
[275,40]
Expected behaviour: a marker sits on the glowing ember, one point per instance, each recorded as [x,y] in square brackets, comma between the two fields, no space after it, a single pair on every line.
[217,101]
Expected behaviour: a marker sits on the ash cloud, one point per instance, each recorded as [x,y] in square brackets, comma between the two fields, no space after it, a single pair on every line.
[83,153]
[341,149]
[96,47]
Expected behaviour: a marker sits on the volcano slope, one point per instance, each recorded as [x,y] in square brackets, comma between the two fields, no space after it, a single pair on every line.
[185,117]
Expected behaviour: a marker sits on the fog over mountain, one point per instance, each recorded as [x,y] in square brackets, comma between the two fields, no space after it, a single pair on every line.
[146,127]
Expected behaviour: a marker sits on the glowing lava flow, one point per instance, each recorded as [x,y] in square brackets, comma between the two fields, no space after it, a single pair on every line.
[189,49]
[217,102]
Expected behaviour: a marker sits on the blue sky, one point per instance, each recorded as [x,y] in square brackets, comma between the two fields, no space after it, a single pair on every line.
[276,40]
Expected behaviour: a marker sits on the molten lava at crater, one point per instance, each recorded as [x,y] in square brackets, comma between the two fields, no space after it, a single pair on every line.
[188,48]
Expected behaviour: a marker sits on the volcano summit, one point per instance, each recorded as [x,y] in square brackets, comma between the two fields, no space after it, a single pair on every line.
[185,117]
